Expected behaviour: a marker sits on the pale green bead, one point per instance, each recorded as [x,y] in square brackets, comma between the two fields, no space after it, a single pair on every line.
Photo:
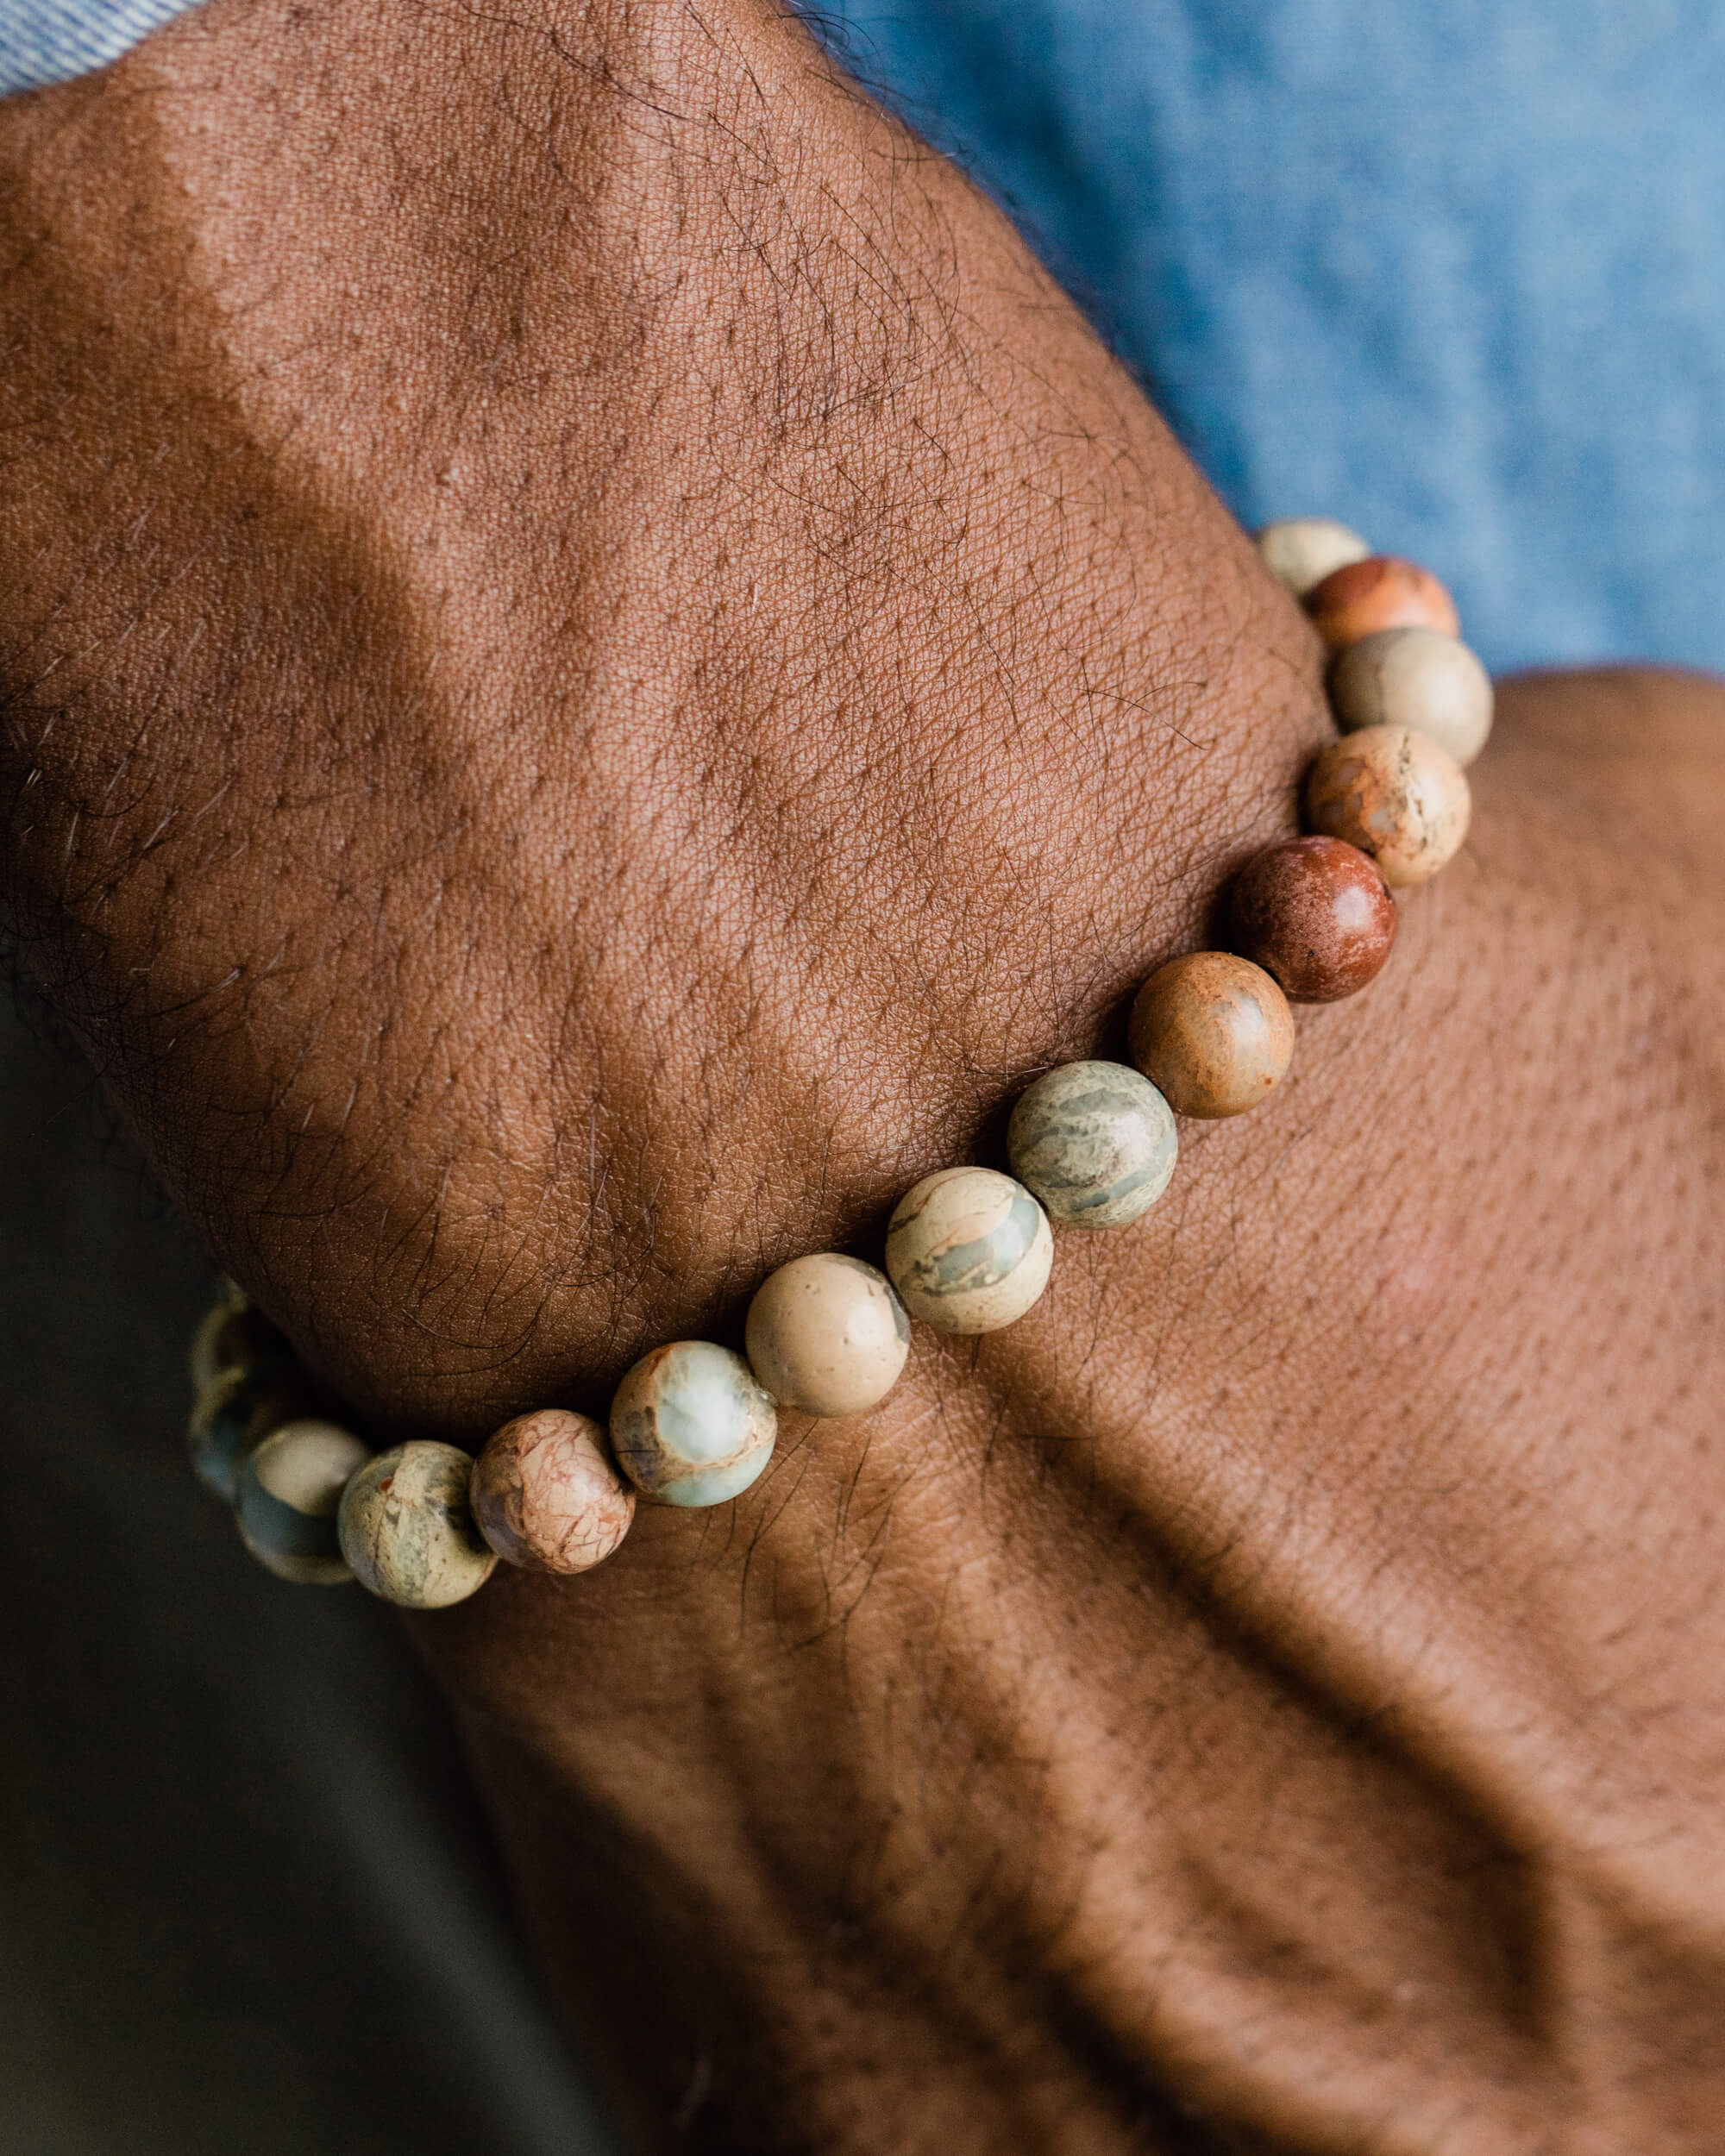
[234,1413]
[1096,1142]
[690,1425]
[969,1250]
[408,1531]
[289,1489]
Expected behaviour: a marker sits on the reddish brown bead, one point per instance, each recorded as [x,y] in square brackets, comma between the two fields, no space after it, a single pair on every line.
[1383,593]
[1315,913]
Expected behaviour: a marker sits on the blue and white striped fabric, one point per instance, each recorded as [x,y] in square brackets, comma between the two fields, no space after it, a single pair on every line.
[45,41]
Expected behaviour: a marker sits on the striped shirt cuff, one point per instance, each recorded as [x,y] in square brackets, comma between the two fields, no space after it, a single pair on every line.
[51,40]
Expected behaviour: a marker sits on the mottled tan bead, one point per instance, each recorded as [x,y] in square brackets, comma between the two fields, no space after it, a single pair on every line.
[1299,552]
[407,1528]
[290,1490]
[545,1495]
[1213,1032]
[1382,592]
[969,1250]
[826,1334]
[1397,795]
[1418,678]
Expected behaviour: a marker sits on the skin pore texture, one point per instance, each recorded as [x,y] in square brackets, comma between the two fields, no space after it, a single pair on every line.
[596,670]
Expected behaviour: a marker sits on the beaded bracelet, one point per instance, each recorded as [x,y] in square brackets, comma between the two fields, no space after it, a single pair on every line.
[1092,1145]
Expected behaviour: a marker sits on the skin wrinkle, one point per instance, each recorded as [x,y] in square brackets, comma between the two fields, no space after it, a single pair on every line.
[594,669]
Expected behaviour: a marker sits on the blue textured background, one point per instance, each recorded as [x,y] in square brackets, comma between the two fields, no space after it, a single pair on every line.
[1455,273]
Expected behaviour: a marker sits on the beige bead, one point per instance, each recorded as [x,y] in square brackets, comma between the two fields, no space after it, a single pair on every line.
[1213,1032]
[826,1334]
[691,1425]
[545,1495]
[407,1528]
[1396,794]
[290,1491]
[1418,678]
[1301,551]
[969,1250]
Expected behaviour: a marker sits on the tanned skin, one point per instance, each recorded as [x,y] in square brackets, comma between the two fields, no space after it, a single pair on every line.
[596,670]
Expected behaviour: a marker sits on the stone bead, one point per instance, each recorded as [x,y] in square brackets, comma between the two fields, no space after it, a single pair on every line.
[1418,678]
[969,1250]
[1214,1031]
[289,1494]
[826,1334]
[1316,914]
[1094,1141]
[1397,795]
[407,1528]
[1381,593]
[1301,551]
[545,1495]
[690,1425]
[235,1410]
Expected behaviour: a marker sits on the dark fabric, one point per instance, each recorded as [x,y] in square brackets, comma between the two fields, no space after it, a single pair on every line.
[247,1907]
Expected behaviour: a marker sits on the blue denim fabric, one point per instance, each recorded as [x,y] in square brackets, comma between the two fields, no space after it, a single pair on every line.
[43,42]
[1455,273]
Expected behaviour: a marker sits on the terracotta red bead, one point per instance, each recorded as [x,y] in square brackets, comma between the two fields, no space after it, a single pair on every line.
[1315,914]
[1382,592]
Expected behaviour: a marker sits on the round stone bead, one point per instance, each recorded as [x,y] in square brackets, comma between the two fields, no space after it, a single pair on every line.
[290,1490]
[1094,1141]
[1418,678]
[1301,551]
[545,1495]
[827,1334]
[1381,593]
[1397,795]
[1214,1031]
[690,1425]
[407,1528]
[234,1412]
[1315,913]
[969,1250]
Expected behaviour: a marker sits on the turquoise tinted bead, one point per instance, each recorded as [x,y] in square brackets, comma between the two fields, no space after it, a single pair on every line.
[690,1425]
[969,1250]
[290,1489]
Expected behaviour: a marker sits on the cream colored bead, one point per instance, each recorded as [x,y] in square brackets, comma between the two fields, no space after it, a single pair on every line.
[690,1425]
[407,1528]
[827,1335]
[1301,551]
[545,1495]
[1418,678]
[969,1250]
[290,1491]
[1094,1141]
[1394,794]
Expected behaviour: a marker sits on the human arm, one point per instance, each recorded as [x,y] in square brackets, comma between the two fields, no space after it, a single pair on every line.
[597,668]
